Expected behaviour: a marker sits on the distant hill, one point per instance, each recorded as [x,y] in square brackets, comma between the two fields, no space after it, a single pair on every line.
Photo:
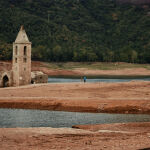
[78,30]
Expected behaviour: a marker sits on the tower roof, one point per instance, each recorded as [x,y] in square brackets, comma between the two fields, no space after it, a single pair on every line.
[22,36]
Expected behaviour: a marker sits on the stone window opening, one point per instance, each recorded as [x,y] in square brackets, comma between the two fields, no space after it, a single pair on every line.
[16,50]
[24,60]
[15,60]
[25,50]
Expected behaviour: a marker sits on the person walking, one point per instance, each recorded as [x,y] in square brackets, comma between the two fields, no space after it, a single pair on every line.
[84,79]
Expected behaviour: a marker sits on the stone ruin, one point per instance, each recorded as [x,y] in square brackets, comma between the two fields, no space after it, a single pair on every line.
[21,65]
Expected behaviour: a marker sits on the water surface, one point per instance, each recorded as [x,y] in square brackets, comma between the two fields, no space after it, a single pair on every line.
[64,80]
[42,118]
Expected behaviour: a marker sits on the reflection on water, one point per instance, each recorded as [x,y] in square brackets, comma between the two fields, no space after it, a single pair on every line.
[62,80]
[42,118]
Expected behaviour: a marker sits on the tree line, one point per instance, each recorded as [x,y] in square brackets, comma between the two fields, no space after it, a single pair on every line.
[77,30]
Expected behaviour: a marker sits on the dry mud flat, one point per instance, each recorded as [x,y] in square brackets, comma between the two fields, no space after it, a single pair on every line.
[75,71]
[90,72]
[130,97]
[131,136]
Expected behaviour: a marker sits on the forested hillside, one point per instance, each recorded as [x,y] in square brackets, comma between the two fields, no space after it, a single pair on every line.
[77,30]
[137,2]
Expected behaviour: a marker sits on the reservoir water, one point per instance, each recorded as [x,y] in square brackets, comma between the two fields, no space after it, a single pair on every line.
[42,118]
[63,80]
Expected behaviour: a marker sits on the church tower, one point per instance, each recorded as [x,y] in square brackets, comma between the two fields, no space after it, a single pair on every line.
[21,59]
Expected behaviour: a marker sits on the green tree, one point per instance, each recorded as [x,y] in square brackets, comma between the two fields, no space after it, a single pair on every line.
[91,56]
[5,51]
[133,56]
[108,56]
[57,53]
[39,53]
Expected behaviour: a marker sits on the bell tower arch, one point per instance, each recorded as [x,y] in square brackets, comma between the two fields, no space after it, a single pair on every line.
[21,59]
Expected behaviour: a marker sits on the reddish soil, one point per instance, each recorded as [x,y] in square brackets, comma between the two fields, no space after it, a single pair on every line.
[105,137]
[130,97]
[39,66]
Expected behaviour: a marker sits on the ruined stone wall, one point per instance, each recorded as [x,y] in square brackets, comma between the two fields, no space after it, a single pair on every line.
[39,77]
[7,74]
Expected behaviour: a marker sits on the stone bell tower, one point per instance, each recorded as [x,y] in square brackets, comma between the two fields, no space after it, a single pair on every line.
[21,59]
